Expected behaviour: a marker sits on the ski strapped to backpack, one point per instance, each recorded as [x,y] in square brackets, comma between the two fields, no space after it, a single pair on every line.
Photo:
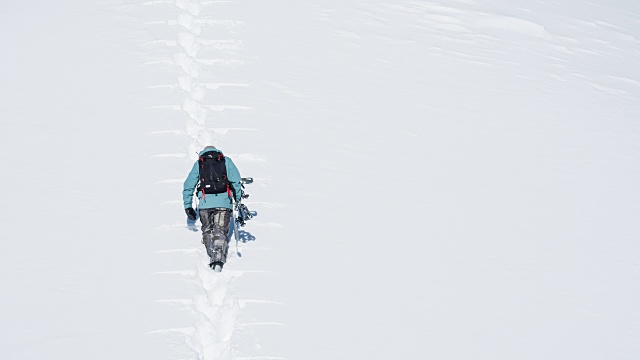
[213,174]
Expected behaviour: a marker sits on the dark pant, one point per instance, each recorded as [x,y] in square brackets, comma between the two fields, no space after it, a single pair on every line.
[215,232]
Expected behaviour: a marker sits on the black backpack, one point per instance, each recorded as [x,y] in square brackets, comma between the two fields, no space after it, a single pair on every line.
[213,173]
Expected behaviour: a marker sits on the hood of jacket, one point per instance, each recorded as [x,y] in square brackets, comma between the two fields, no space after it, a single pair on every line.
[209,148]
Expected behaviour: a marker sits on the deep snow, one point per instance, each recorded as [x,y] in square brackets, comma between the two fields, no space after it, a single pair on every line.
[447,179]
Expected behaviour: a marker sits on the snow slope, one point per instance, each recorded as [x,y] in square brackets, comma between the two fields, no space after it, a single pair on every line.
[448,179]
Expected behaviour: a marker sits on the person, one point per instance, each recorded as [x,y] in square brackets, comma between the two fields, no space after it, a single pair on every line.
[218,182]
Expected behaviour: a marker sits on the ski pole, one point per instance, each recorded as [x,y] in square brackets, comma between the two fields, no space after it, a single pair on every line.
[235,231]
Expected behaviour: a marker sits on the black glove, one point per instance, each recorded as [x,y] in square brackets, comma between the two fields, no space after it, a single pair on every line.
[191,214]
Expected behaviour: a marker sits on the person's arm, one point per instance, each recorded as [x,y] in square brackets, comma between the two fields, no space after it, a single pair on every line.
[189,187]
[233,175]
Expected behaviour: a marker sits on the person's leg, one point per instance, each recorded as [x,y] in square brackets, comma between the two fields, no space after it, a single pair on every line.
[220,233]
[206,218]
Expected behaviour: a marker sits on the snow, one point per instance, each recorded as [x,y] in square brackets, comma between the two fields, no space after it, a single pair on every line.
[448,179]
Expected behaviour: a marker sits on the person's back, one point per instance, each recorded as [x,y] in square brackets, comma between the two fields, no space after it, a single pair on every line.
[218,184]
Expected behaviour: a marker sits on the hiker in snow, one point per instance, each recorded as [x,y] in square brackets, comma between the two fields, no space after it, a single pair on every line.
[218,183]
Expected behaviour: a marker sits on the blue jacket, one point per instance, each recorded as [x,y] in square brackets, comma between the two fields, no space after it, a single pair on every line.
[209,201]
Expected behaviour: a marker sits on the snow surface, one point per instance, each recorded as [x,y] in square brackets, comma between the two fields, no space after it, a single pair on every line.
[449,179]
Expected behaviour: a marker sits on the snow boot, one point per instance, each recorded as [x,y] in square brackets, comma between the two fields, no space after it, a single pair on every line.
[216,266]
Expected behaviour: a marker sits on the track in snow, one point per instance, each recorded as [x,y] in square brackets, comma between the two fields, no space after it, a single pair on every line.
[216,305]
